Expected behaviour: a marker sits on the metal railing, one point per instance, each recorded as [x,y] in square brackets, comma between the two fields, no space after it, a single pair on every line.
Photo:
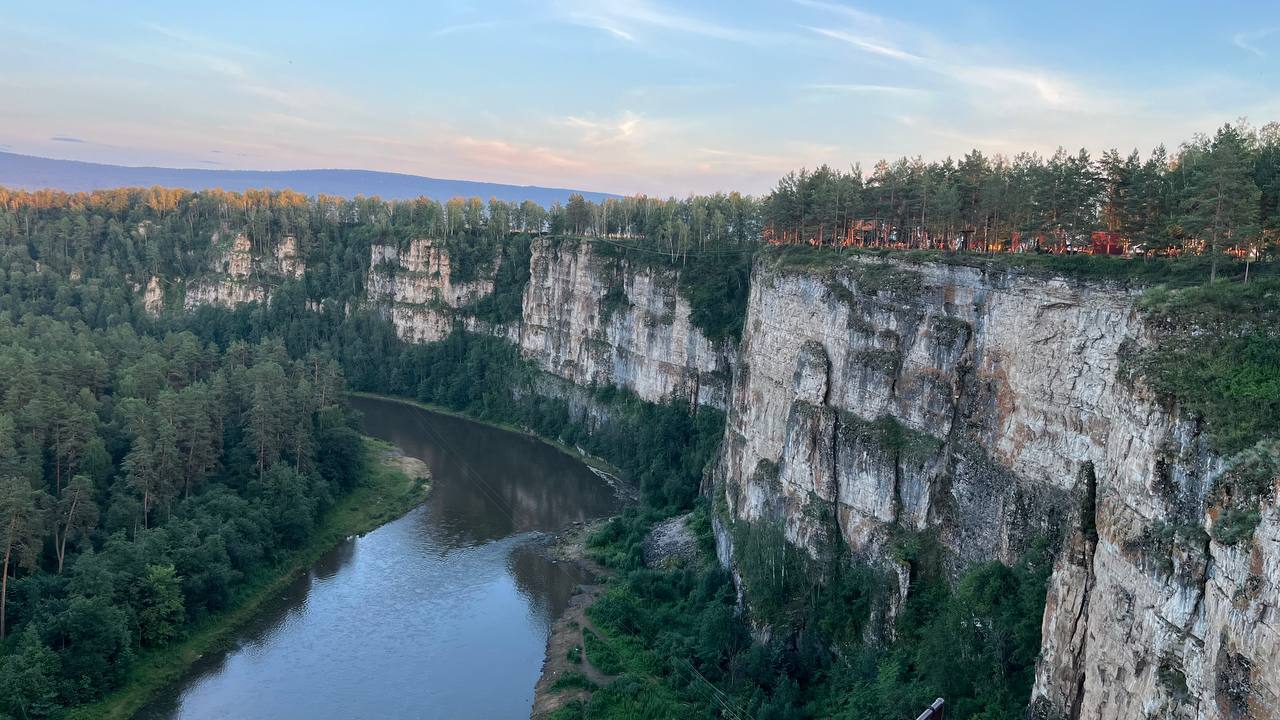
[933,712]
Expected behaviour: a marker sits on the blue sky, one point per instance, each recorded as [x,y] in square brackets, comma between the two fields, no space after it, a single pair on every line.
[653,96]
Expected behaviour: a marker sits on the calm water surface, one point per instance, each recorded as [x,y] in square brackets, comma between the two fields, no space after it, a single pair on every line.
[443,613]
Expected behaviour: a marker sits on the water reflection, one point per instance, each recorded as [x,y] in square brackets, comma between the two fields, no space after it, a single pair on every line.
[443,613]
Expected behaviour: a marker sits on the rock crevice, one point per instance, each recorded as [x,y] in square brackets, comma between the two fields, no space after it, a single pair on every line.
[989,408]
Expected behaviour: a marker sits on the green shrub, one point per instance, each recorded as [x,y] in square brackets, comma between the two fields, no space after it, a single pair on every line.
[1217,352]
[715,281]
[1235,526]
[572,681]
[602,654]
[614,301]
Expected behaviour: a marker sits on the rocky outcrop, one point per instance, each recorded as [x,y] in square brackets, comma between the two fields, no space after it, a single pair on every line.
[587,319]
[671,543]
[597,320]
[990,409]
[288,261]
[240,275]
[153,297]
[417,290]
[871,398]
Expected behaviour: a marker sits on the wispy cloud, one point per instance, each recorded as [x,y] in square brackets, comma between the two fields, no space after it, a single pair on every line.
[660,101]
[712,159]
[67,139]
[496,152]
[220,65]
[241,70]
[602,24]
[1010,85]
[860,17]
[202,42]
[605,132]
[291,97]
[871,46]
[1248,41]
[1032,82]
[624,19]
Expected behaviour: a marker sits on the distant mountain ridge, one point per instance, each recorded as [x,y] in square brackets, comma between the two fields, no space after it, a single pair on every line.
[29,172]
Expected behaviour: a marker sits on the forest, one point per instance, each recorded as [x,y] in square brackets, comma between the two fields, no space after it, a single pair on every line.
[153,467]
[144,480]
[1212,194]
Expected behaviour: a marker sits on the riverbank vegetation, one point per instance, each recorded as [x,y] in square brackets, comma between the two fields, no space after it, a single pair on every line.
[677,645]
[157,469]
[385,492]
[150,484]
[661,449]
[146,482]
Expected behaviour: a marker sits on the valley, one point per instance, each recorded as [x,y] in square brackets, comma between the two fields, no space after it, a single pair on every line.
[1037,484]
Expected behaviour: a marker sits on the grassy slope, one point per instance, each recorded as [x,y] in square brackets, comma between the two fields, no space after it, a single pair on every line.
[1216,349]
[386,494]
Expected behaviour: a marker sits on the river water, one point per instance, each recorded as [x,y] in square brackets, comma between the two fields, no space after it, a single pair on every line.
[443,613]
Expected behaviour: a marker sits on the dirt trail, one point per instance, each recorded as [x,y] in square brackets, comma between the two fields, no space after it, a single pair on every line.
[566,633]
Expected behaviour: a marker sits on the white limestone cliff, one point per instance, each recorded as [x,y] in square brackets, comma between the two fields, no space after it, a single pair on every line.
[605,321]
[241,274]
[990,409]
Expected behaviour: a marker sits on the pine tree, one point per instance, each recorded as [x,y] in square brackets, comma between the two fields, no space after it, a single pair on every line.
[1220,203]
[77,515]
[21,530]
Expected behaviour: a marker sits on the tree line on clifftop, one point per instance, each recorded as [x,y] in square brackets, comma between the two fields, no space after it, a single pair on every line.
[151,468]
[1215,193]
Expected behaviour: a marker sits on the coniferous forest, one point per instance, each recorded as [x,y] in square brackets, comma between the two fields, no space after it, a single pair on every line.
[155,466]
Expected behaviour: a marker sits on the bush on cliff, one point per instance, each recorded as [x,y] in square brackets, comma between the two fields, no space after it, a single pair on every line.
[1217,352]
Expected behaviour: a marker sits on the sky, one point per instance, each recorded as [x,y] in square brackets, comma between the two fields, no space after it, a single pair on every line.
[629,96]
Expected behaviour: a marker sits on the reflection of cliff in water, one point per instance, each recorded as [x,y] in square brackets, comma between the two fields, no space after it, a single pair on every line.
[548,584]
[488,483]
[442,613]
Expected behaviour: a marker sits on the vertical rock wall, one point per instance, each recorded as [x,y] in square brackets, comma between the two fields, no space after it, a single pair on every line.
[605,321]
[416,290]
[989,409]
[587,319]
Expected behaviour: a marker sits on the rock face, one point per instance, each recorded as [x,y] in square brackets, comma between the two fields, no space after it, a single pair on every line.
[878,397]
[670,542]
[239,275]
[153,297]
[417,290]
[603,321]
[587,319]
[990,408]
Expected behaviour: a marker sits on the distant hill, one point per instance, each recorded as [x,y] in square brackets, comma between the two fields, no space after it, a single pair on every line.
[33,173]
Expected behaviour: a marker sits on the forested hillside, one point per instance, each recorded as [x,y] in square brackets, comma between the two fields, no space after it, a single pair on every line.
[147,478]
[156,457]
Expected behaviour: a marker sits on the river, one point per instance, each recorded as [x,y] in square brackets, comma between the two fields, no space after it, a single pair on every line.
[443,613]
